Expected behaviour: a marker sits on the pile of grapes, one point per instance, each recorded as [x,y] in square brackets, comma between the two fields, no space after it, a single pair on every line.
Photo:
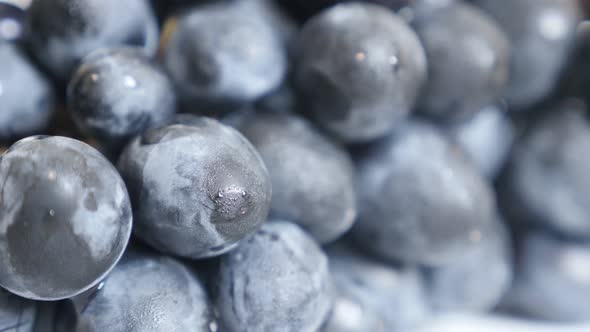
[293,165]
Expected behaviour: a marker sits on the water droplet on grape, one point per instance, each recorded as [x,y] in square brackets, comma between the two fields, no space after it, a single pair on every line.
[10,28]
[130,82]
[360,56]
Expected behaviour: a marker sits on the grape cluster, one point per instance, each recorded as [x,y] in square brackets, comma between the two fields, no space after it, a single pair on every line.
[292,165]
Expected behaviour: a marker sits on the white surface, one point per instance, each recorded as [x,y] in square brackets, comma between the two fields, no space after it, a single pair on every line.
[463,323]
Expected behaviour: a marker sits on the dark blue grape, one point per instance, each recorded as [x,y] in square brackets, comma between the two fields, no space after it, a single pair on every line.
[359,70]
[542,33]
[277,280]
[476,281]
[312,176]
[372,296]
[547,181]
[468,61]
[117,94]
[552,279]
[224,54]
[196,189]
[65,31]
[420,199]
[65,217]
[146,292]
